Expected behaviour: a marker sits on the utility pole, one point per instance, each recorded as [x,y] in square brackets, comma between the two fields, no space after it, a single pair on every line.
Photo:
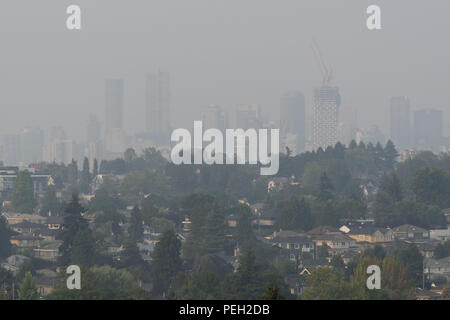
[423,274]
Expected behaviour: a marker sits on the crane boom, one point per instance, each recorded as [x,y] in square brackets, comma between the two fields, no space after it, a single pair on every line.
[327,73]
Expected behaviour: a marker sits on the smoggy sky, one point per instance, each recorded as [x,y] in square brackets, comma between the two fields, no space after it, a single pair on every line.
[224,52]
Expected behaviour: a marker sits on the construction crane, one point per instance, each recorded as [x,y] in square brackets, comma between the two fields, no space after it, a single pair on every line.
[327,72]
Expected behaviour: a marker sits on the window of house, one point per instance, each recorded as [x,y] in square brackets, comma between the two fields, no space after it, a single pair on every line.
[297,246]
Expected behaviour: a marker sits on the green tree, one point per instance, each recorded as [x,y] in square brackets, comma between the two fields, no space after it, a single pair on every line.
[78,243]
[390,155]
[392,186]
[337,262]
[383,209]
[322,251]
[86,178]
[199,286]
[50,202]
[136,229]
[412,259]
[83,248]
[72,173]
[295,214]
[326,188]
[244,232]
[23,194]
[272,293]
[442,250]
[101,283]
[95,168]
[166,261]
[207,226]
[326,284]
[446,292]
[5,235]
[28,289]
[250,280]
[432,186]
[396,278]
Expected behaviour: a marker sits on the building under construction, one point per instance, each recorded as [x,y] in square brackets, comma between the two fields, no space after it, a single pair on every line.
[325,108]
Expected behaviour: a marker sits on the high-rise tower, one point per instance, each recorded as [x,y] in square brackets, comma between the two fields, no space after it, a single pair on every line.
[325,117]
[113,104]
[400,122]
[158,103]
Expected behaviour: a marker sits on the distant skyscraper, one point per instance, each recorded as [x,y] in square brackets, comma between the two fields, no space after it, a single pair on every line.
[400,122]
[248,117]
[428,129]
[325,117]
[31,145]
[158,103]
[292,119]
[57,133]
[11,149]
[59,151]
[115,141]
[374,135]
[214,117]
[93,129]
[113,104]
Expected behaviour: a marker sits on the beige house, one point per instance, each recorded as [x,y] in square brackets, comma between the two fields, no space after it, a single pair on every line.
[371,234]
[14,218]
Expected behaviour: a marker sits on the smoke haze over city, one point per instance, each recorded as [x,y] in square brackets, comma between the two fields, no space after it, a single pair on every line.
[224,53]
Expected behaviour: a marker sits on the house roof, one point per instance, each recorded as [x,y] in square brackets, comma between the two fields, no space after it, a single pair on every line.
[27,224]
[25,236]
[291,237]
[55,220]
[333,236]
[322,230]
[312,263]
[442,263]
[409,228]
[51,245]
[367,230]
[268,214]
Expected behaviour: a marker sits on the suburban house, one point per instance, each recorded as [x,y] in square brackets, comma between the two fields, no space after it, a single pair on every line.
[45,281]
[55,222]
[256,208]
[335,240]
[8,176]
[296,283]
[48,251]
[232,220]
[408,232]
[14,262]
[434,267]
[277,184]
[320,230]
[296,243]
[26,227]
[440,234]
[371,234]
[14,218]
[25,240]
[265,218]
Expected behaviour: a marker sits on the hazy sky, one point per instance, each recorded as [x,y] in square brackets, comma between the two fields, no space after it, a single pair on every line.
[224,52]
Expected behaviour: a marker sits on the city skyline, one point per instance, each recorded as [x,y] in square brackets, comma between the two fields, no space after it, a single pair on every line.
[61,80]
